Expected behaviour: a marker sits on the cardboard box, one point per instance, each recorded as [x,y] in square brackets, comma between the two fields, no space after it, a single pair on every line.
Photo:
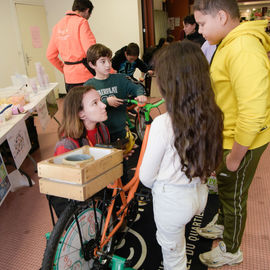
[81,180]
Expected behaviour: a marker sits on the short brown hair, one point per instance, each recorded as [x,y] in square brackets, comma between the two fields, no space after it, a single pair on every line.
[82,5]
[213,6]
[96,51]
[133,49]
[72,126]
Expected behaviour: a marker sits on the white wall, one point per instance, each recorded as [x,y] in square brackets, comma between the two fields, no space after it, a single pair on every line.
[115,23]
[10,51]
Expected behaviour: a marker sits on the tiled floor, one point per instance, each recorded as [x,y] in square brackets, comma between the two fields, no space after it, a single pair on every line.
[25,218]
[24,215]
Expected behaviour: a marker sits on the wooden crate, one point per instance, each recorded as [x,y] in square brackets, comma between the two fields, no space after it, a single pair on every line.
[80,181]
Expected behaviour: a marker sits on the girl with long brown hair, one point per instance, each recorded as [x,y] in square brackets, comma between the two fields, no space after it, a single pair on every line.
[184,146]
[83,114]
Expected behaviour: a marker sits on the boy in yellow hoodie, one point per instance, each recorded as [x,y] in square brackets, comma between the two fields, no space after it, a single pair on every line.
[240,71]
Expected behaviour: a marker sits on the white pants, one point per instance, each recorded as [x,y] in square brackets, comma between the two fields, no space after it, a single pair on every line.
[174,206]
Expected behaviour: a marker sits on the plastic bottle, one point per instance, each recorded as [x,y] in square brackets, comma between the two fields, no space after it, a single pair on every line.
[40,75]
[33,84]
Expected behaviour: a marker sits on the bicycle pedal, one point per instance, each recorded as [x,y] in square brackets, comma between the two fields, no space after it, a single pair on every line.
[142,203]
[143,198]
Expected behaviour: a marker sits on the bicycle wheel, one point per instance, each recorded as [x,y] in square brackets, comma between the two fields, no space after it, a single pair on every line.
[140,125]
[63,250]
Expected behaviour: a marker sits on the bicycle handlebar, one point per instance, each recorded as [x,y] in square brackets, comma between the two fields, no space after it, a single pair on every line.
[147,107]
[133,101]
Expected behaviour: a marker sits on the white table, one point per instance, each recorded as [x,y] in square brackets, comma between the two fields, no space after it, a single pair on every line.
[35,99]
[8,126]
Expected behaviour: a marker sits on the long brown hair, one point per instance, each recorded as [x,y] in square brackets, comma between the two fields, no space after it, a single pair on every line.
[72,126]
[183,78]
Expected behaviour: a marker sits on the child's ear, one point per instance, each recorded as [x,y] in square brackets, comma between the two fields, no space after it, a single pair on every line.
[223,17]
[91,65]
[81,115]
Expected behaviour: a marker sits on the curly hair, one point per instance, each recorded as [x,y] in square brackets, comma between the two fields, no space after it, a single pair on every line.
[184,81]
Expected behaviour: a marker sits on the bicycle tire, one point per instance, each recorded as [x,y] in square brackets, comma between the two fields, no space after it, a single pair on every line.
[140,125]
[63,250]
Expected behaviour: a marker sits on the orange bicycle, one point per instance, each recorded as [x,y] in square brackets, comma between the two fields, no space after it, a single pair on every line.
[83,237]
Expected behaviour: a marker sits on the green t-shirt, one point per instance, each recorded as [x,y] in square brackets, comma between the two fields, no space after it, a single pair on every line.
[119,86]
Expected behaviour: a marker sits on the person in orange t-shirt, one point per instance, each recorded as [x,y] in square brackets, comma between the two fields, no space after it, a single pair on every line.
[71,37]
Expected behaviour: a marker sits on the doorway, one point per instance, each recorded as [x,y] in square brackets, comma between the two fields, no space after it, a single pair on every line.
[148,23]
[34,35]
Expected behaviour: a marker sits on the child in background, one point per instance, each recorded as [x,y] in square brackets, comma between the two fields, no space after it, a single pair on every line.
[126,60]
[83,114]
[240,72]
[191,30]
[113,88]
[184,146]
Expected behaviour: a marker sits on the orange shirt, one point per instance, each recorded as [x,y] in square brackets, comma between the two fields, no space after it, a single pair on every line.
[71,38]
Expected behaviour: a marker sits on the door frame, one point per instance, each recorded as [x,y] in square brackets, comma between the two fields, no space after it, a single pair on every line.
[17,29]
[148,26]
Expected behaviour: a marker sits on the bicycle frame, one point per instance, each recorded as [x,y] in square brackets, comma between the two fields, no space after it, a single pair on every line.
[131,187]
[98,247]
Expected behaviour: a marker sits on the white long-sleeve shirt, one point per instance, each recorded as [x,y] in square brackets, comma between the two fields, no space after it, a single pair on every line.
[161,161]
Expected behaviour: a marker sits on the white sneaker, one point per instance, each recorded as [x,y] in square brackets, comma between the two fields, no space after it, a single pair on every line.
[212,230]
[218,256]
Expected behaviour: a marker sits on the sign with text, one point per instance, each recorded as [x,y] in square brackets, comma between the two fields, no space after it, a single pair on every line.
[43,114]
[19,143]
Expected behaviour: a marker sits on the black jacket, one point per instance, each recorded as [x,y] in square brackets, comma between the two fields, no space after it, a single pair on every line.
[196,37]
[119,61]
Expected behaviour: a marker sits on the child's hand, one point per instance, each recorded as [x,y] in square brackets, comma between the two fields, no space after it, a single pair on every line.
[141,79]
[141,99]
[150,72]
[129,154]
[114,101]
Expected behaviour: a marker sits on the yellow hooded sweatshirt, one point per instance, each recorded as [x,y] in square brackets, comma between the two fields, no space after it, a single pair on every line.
[240,72]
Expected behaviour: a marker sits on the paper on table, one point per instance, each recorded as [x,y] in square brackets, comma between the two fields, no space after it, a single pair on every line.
[43,114]
[19,143]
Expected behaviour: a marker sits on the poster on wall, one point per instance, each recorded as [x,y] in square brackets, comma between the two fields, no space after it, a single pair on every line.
[19,143]
[36,38]
[4,181]
[171,23]
[177,21]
